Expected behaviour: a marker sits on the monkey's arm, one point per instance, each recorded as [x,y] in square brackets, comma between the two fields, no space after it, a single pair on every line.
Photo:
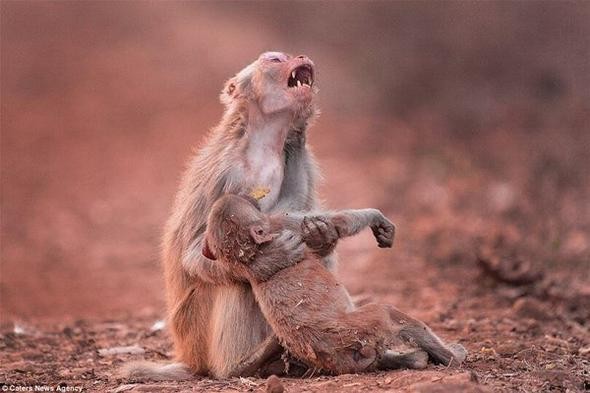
[298,188]
[298,193]
[284,251]
[345,223]
[351,222]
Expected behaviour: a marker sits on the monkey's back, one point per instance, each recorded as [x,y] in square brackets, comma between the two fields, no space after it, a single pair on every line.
[309,312]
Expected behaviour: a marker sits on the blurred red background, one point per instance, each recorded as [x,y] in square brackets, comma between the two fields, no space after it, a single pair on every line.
[456,118]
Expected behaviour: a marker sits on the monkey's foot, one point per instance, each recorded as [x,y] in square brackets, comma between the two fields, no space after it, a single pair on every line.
[459,353]
[417,360]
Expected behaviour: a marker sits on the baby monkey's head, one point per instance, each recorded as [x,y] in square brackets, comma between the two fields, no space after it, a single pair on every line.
[235,229]
[277,82]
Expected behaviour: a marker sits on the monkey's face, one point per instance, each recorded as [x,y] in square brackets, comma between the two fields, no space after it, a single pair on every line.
[278,82]
[235,229]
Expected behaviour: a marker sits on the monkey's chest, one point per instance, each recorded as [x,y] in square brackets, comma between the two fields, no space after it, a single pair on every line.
[263,177]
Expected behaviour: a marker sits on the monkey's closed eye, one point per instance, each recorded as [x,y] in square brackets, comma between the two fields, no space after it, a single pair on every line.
[275,60]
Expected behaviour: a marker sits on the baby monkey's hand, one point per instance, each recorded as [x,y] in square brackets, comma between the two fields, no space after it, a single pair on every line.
[384,231]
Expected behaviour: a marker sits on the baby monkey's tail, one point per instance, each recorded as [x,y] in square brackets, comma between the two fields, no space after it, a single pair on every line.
[142,370]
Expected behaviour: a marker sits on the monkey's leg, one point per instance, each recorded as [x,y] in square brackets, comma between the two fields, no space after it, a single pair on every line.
[236,329]
[252,362]
[390,360]
[418,333]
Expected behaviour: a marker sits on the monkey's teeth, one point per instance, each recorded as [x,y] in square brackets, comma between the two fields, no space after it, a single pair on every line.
[298,83]
[293,74]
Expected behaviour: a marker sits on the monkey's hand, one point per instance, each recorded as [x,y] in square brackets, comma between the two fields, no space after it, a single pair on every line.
[384,231]
[290,246]
[285,250]
[319,234]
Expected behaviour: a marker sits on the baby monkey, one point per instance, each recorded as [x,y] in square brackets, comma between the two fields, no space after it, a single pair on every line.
[308,310]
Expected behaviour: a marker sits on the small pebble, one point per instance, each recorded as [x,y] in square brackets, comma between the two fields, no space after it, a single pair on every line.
[531,308]
[274,385]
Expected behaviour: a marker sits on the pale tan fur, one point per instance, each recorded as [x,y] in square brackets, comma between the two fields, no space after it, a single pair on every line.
[214,319]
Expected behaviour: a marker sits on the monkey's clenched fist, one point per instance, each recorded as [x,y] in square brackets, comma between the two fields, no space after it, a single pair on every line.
[384,231]
[319,234]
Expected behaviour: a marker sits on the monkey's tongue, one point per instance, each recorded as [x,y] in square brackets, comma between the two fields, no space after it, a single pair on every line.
[301,75]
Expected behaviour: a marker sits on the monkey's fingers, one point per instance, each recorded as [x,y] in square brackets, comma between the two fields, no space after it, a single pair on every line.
[305,227]
[386,227]
[310,232]
[331,233]
[322,228]
[386,231]
[384,242]
[315,231]
[326,228]
[383,236]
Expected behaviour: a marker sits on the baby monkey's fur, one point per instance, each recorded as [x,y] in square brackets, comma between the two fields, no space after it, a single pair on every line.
[307,308]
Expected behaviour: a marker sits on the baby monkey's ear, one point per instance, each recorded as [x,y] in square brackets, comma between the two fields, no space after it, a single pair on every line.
[207,251]
[260,235]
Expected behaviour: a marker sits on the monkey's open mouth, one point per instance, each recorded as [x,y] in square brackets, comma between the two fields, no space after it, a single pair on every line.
[300,76]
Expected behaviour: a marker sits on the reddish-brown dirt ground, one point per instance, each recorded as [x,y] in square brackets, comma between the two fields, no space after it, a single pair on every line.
[469,129]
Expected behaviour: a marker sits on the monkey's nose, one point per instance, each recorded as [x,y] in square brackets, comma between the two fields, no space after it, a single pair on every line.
[305,59]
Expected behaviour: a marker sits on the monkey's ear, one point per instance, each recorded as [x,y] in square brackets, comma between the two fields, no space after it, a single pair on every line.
[239,85]
[207,253]
[229,91]
[260,235]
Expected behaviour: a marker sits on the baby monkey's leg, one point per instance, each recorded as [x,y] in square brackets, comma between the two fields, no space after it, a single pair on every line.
[390,360]
[419,334]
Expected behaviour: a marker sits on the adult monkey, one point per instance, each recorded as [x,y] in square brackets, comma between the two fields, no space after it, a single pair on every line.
[260,144]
